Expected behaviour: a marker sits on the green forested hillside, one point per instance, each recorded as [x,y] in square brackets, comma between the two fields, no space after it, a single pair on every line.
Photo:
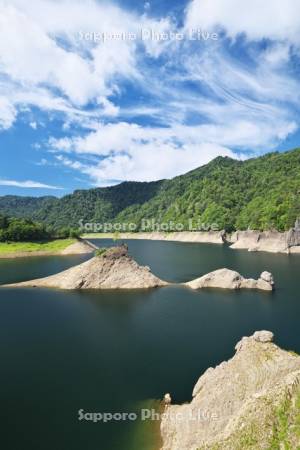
[261,193]
[25,207]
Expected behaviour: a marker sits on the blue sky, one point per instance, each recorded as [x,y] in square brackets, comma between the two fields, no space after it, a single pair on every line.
[173,85]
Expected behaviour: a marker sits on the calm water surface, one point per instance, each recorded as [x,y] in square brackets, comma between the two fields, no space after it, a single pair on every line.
[113,351]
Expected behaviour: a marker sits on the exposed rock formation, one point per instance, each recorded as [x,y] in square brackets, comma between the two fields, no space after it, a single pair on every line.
[293,236]
[229,279]
[249,402]
[114,269]
[295,249]
[266,241]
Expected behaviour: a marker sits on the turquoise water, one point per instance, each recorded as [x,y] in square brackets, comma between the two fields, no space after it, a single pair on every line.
[64,351]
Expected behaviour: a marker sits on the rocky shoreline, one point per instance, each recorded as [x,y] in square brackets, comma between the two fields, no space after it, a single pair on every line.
[266,241]
[251,240]
[205,237]
[240,403]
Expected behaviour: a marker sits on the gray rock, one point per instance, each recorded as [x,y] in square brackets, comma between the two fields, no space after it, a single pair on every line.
[230,279]
[236,402]
[263,336]
[267,276]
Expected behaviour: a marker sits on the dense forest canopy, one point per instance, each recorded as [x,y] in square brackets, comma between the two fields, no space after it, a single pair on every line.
[22,230]
[260,193]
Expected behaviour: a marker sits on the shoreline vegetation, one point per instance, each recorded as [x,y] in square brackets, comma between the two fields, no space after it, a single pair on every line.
[47,248]
[56,246]
[21,237]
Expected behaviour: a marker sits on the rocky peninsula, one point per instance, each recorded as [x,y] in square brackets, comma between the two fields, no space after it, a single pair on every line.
[230,279]
[113,269]
[249,402]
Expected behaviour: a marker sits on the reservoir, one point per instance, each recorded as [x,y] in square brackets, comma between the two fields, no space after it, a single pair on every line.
[121,351]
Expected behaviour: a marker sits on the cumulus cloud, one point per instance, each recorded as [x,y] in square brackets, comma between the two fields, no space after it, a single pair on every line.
[271,19]
[152,162]
[49,47]
[133,152]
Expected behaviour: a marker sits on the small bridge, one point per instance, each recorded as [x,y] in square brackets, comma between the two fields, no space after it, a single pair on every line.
[85,241]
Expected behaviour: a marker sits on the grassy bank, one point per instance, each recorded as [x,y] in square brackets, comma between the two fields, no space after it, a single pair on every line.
[48,246]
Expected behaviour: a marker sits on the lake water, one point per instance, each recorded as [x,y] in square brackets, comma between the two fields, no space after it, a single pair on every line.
[114,351]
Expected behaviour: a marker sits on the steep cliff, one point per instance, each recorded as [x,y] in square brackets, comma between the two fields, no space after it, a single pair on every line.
[250,402]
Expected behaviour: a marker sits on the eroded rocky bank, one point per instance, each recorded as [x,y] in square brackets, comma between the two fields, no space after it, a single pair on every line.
[251,401]
[266,241]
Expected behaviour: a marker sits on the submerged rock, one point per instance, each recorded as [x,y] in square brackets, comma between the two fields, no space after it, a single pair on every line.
[113,269]
[230,279]
[241,403]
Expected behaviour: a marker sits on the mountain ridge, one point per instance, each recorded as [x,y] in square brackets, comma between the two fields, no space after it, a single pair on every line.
[259,193]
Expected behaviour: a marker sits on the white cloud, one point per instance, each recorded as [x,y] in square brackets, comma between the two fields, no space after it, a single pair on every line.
[8,113]
[152,162]
[125,137]
[129,151]
[45,63]
[246,104]
[27,184]
[273,19]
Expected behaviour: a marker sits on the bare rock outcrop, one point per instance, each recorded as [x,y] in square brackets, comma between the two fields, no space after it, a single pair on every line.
[114,269]
[230,279]
[241,403]
[267,241]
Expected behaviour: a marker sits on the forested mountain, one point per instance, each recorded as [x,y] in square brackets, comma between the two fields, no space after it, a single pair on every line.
[259,193]
[17,206]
